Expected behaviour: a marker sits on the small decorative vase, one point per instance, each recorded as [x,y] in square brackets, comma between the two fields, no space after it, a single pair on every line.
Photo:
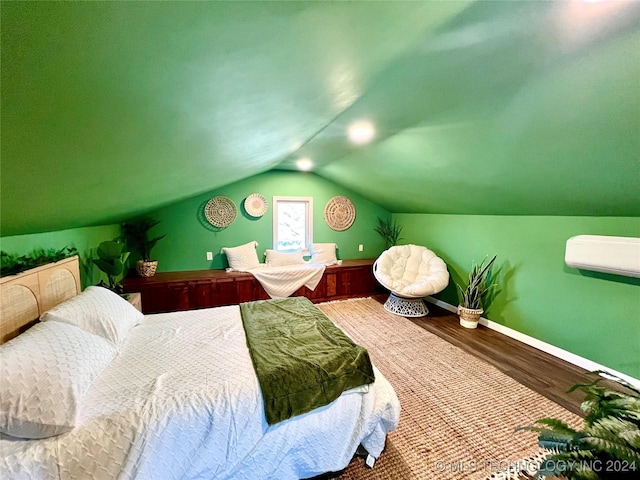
[146,268]
[469,317]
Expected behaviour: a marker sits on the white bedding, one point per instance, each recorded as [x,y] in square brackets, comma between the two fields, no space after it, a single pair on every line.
[181,400]
[281,282]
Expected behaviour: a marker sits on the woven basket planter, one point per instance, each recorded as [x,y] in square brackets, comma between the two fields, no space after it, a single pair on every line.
[146,269]
[469,317]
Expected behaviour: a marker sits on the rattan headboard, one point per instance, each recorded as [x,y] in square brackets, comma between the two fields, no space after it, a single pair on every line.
[24,297]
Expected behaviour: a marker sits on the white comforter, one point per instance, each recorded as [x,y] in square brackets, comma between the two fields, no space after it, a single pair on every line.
[282,282]
[181,400]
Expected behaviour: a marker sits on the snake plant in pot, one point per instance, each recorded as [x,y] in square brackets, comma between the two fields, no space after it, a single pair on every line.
[136,234]
[475,293]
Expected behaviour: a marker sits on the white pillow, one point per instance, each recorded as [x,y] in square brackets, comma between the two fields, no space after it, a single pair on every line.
[44,374]
[243,257]
[282,259]
[97,310]
[324,253]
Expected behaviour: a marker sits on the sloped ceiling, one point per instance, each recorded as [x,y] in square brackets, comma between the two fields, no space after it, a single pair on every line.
[110,109]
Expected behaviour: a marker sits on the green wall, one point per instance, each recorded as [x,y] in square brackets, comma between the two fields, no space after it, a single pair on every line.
[86,240]
[596,316]
[190,236]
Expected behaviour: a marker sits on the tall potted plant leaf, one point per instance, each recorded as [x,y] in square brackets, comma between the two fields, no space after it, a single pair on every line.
[474,294]
[111,260]
[136,234]
[608,445]
[389,231]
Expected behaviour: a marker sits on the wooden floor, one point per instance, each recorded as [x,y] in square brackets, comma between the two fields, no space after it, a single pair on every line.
[529,366]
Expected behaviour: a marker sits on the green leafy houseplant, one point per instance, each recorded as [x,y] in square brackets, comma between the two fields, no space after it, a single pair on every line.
[607,447]
[12,264]
[111,260]
[389,231]
[136,234]
[474,294]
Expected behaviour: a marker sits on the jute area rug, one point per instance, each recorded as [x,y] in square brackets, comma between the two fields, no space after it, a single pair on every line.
[459,413]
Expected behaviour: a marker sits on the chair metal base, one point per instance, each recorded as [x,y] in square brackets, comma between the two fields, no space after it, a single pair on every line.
[406,307]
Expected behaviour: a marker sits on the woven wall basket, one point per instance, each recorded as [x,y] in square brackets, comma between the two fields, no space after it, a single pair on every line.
[220,211]
[255,205]
[339,213]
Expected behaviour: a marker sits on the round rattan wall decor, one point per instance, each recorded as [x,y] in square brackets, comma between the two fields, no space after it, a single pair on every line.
[255,205]
[339,213]
[220,211]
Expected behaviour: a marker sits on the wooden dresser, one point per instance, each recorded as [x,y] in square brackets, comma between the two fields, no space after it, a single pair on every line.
[188,290]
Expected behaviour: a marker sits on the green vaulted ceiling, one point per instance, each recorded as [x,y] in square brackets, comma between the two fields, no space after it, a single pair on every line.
[111,109]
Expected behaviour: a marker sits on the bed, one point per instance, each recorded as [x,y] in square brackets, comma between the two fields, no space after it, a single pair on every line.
[178,399]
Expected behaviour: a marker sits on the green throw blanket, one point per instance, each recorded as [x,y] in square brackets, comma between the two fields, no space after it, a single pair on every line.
[302,360]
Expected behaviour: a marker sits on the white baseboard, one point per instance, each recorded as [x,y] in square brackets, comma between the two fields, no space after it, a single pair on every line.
[545,347]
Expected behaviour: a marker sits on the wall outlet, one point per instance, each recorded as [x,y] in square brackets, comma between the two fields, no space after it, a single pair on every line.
[360,248]
[209,255]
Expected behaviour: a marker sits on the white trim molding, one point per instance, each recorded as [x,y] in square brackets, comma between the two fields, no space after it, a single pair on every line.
[544,346]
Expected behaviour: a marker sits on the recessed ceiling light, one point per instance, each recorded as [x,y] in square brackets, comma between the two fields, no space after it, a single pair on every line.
[304,164]
[361,133]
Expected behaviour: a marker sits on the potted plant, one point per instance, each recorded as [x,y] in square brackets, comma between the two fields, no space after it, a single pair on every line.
[12,264]
[607,446]
[475,293]
[111,260]
[136,234]
[389,231]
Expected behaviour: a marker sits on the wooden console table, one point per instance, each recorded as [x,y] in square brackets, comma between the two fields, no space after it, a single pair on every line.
[188,290]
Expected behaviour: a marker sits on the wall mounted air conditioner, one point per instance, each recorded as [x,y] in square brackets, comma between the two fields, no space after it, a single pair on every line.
[616,255]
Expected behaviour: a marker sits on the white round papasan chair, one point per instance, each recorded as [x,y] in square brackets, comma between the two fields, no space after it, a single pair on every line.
[410,272]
